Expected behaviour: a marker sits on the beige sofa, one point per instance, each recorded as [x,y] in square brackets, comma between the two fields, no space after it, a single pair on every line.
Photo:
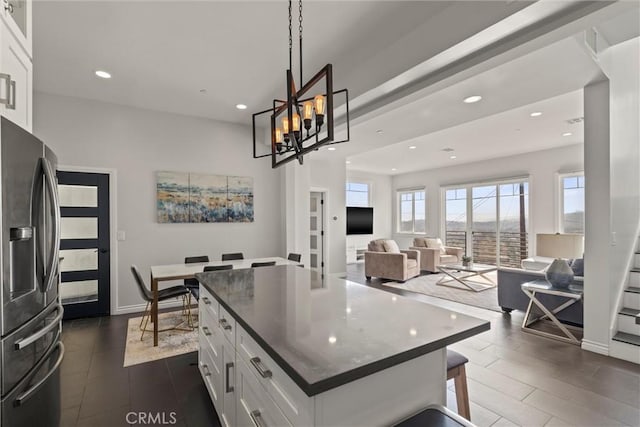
[385,260]
[433,253]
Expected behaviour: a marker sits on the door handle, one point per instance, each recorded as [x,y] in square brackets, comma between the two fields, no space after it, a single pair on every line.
[256,417]
[7,88]
[12,95]
[24,342]
[262,370]
[228,388]
[22,397]
[225,324]
[54,251]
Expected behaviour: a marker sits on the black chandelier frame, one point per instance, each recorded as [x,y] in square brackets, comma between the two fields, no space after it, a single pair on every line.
[296,143]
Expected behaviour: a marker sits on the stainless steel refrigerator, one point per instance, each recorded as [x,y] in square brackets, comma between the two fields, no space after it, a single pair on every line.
[31,313]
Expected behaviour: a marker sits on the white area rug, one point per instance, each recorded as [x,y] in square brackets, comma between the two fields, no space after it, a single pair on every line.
[170,343]
[426,284]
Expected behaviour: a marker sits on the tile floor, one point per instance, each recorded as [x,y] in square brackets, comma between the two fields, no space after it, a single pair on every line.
[514,378]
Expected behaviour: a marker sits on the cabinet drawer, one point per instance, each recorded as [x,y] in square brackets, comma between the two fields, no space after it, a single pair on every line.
[294,403]
[227,325]
[208,328]
[254,406]
[211,373]
[208,302]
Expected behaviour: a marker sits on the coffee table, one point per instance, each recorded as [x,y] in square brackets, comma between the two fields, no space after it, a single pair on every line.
[460,274]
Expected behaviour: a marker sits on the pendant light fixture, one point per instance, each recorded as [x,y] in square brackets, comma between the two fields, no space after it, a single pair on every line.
[305,120]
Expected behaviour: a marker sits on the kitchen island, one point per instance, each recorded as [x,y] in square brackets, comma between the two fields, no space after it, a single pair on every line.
[283,346]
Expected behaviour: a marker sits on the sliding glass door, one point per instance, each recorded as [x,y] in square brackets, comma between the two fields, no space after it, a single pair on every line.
[489,220]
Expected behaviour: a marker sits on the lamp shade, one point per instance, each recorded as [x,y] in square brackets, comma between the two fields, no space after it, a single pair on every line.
[560,245]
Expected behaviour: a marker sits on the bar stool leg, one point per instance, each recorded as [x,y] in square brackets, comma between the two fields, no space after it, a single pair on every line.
[462,393]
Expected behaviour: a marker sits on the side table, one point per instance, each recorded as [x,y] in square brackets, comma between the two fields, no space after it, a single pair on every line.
[574,294]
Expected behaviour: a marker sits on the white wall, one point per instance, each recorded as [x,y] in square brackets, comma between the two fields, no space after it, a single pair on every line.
[597,217]
[540,166]
[137,143]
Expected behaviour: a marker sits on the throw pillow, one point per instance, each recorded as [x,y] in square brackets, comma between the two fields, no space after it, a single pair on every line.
[391,246]
[578,267]
[419,242]
[436,244]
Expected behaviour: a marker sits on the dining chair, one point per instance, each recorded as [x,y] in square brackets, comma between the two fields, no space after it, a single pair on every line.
[192,284]
[233,256]
[218,267]
[263,264]
[163,294]
[294,257]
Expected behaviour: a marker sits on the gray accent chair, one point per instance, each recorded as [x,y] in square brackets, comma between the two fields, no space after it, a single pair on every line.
[432,257]
[385,260]
[511,297]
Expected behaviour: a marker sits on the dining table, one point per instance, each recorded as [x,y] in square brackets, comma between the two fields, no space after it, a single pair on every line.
[168,272]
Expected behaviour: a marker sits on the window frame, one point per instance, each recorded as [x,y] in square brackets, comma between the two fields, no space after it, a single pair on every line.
[561,198]
[412,191]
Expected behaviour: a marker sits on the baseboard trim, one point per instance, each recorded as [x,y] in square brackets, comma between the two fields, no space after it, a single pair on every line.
[595,347]
[139,308]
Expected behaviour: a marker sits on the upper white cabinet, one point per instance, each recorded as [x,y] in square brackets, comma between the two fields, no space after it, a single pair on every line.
[16,65]
[16,14]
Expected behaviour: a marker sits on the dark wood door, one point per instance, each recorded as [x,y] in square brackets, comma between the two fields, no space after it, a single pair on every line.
[84,244]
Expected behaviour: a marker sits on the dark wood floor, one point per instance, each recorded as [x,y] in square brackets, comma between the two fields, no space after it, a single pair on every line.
[514,378]
[98,392]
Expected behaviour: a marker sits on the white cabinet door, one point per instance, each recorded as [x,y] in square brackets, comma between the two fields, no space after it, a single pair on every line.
[228,391]
[17,16]
[15,63]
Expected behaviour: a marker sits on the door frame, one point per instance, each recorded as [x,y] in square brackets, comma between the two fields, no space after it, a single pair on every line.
[325,226]
[113,222]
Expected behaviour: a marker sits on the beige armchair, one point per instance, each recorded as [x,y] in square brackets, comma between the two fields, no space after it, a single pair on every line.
[433,253]
[384,259]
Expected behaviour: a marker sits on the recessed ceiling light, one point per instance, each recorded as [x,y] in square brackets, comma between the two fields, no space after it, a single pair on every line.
[536,114]
[472,99]
[413,332]
[203,91]
[448,150]
[348,162]
[379,131]
[453,157]
[331,148]
[394,169]
[103,74]
[332,339]
[567,134]
[412,147]
[241,106]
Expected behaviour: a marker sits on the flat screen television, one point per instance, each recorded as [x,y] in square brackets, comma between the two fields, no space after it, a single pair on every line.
[359,220]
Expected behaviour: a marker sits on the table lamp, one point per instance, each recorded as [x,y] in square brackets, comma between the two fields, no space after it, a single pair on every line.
[560,247]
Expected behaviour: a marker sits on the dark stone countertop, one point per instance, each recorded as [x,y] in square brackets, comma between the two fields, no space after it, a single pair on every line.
[327,332]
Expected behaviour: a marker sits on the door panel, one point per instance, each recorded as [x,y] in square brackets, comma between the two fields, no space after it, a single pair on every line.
[85,243]
[22,192]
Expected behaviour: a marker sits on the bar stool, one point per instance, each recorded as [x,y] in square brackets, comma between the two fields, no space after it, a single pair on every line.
[456,370]
[435,416]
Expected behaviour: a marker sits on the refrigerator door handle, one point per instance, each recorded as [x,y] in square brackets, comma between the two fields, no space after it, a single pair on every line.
[24,396]
[54,252]
[24,342]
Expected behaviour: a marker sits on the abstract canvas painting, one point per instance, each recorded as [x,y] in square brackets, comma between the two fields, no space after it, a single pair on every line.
[192,197]
[173,197]
[240,199]
[208,198]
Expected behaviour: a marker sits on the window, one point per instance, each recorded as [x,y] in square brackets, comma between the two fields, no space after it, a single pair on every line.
[357,194]
[572,203]
[411,211]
